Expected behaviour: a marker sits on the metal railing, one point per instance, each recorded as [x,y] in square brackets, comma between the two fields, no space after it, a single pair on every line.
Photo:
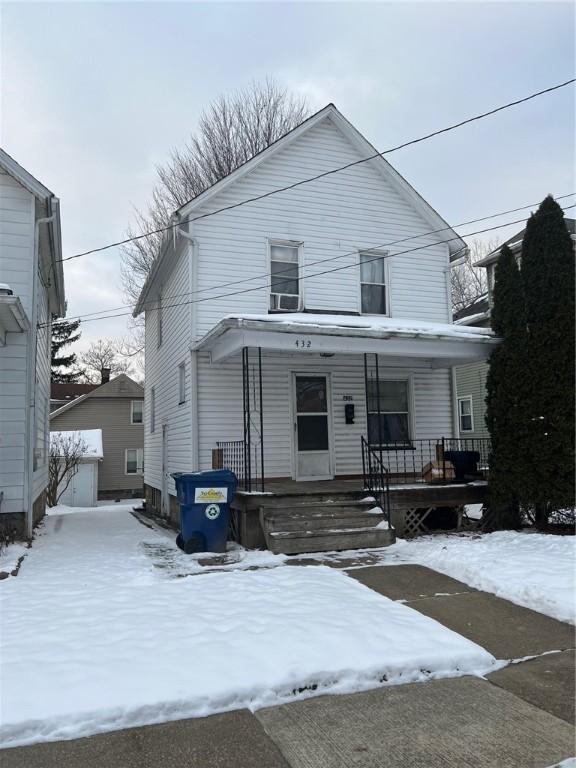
[440,460]
[243,459]
[376,477]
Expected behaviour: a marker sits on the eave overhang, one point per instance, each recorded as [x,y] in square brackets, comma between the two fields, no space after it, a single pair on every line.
[440,349]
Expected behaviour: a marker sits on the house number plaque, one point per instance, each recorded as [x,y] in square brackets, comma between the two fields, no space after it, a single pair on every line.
[303,343]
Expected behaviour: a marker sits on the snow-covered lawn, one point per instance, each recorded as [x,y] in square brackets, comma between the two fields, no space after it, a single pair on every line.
[101,631]
[535,570]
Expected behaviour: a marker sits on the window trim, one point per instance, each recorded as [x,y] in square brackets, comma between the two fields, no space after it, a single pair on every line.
[299,245]
[152,409]
[139,461]
[469,399]
[386,256]
[411,413]
[136,423]
[182,383]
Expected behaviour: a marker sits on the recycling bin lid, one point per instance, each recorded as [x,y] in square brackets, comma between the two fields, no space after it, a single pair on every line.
[209,476]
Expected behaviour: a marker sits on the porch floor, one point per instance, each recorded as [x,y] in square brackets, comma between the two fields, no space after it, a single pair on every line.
[288,487]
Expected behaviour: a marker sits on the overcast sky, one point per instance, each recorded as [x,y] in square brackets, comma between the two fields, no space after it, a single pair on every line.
[95,95]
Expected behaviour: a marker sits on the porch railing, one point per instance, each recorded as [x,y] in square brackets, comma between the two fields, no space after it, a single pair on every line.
[441,460]
[242,459]
[376,477]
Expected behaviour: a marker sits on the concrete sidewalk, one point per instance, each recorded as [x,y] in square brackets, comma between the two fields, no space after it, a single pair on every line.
[508,631]
[520,717]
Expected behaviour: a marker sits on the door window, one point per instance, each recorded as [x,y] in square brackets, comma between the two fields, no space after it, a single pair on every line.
[312,413]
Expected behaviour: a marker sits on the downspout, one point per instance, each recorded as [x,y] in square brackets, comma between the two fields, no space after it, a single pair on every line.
[192,273]
[31,379]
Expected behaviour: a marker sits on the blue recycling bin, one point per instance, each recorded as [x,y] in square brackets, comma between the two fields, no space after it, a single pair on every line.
[205,499]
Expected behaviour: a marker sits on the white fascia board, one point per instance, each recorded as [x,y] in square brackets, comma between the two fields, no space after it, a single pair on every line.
[24,177]
[13,317]
[394,345]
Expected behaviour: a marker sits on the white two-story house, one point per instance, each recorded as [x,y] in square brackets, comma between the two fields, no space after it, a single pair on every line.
[31,293]
[291,337]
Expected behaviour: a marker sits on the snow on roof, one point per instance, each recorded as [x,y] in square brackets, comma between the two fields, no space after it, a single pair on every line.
[371,323]
[91,437]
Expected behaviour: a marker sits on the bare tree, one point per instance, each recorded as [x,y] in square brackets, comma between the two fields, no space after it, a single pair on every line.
[66,452]
[468,282]
[230,131]
[101,355]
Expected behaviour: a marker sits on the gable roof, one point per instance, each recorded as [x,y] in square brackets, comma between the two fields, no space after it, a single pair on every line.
[108,390]
[515,243]
[52,207]
[329,112]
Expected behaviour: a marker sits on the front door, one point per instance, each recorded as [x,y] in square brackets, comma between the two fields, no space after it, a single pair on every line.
[312,429]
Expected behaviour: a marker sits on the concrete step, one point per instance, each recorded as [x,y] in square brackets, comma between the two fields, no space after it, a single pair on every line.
[327,540]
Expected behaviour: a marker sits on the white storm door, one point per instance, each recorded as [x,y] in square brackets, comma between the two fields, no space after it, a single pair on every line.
[312,429]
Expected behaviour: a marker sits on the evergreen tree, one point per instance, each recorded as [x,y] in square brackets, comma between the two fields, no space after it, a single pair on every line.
[64,333]
[547,271]
[505,413]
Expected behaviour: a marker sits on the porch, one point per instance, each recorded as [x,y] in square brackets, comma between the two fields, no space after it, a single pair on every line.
[338,422]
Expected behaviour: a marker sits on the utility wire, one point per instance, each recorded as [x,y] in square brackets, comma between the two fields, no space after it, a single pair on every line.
[323,272]
[220,286]
[324,174]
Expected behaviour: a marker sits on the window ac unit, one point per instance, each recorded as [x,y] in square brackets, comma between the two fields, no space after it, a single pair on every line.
[284,301]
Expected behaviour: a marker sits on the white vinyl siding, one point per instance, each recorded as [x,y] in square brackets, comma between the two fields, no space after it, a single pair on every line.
[351,211]
[162,385]
[220,405]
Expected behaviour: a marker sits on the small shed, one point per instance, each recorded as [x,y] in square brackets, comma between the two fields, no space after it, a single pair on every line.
[82,488]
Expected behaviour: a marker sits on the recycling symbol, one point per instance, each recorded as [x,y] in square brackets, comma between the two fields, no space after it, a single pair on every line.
[212,511]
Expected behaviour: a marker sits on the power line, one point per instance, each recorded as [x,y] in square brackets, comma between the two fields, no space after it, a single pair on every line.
[323,272]
[313,263]
[325,173]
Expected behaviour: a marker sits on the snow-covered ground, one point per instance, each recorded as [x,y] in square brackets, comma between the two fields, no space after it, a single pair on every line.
[531,569]
[10,557]
[103,630]
[535,570]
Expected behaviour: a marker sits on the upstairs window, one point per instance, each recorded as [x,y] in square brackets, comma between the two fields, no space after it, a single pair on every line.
[373,287]
[285,277]
[389,413]
[137,412]
[465,414]
[181,383]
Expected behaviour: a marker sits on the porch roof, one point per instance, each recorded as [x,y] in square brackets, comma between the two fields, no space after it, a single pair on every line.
[442,344]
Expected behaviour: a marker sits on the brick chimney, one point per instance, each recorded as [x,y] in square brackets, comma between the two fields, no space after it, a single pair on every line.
[105,375]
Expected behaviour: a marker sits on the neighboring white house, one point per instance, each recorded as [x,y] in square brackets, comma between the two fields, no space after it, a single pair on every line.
[296,323]
[81,489]
[32,291]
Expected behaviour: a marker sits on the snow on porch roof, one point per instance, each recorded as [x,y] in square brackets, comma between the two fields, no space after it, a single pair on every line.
[453,344]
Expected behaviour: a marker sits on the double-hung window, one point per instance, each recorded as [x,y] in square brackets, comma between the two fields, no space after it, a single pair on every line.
[285,276]
[465,414]
[137,412]
[181,383]
[373,288]
[389,412]
[134,458]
